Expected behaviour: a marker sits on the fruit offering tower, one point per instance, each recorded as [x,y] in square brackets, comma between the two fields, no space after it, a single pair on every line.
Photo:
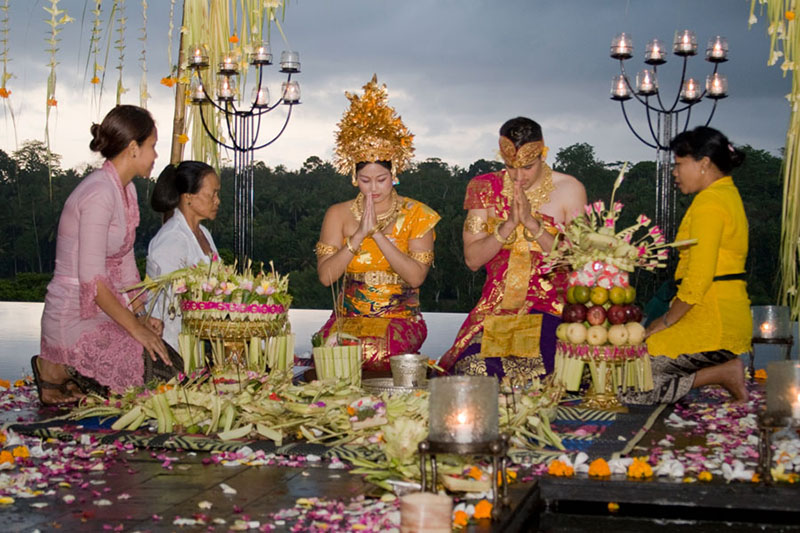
[601,326]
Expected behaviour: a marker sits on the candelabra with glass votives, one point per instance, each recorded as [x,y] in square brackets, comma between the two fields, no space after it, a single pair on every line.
[243,124]
[663,116]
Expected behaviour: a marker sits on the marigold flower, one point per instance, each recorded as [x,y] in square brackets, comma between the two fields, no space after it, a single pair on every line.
[460,519]
[475,473]
[233,39]
[6,457]
[6,500]
[613,507]
[705,475]
[52,102]
[640,469]
[512,476]
[2,437]
[21,451]
[20,383]
[599,468]
[483,509]
[4,93]
[95,80]
[760,374]
[350,410]
[169,81]
[5,383]
[789,15]
[560,469]
[183,138]
[756,478]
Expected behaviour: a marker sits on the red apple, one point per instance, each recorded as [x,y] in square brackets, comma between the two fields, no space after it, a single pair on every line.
[574,313]
[634,313]
[617,314]
[596,315]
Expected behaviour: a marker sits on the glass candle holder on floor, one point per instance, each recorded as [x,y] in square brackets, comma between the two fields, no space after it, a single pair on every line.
[771,322]
[463,409]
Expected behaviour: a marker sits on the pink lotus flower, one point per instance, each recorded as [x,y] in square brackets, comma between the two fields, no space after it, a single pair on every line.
[599,206]
[609,223]
[247,285]
[642,251]
[643,220]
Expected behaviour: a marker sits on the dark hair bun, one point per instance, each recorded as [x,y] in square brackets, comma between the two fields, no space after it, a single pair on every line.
[702,142]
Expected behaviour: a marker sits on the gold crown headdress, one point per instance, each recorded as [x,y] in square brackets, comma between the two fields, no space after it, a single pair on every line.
[527,154]
[370,131]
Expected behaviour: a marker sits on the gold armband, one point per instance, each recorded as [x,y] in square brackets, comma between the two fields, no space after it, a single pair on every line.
[426,258]
[475,224]
[322,249]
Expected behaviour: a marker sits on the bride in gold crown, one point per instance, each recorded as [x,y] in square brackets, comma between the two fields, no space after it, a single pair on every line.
[381,242]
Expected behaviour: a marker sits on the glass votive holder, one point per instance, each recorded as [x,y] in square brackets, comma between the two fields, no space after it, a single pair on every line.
[690,92]
[196,56]
[261,54]
[621,47]
[463,409]
[716,86]
[226,88]
[619,88]
[409,370]
[290,61]
[783,390]
[260,96]
[646,83]
[685,43]
[717,49]
[228,65]
[291,92]
[655,53]
[771,322]
[424,512]
[197,91]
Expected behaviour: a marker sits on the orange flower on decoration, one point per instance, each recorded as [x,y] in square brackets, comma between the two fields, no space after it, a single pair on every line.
[169,81]
[639,469]
[233,39]
[20,383]
[483,509]
[4,93]
[705,475]
[6,457]
[5,383]
[350,411]
[613,507]
[21,451]
[460,519]
[760,374]
[475,473]
[789,15]
[2,438]
[599,468]
[512,476]
[756,478]
[95,80]
[52,102]
[183,138]
[560,469]
[165,387]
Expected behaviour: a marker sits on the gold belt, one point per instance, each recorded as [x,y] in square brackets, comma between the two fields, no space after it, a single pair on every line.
[376,277]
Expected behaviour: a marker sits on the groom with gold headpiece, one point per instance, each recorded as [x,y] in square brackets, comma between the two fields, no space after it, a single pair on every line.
[510,226]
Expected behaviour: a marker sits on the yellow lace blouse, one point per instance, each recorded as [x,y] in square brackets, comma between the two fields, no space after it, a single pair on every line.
[720,318]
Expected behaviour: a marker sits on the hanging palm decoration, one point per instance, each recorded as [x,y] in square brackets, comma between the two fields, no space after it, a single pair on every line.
[58,18]
[784,47]
[119,46]
[143,94]
[94,44]
[5,92]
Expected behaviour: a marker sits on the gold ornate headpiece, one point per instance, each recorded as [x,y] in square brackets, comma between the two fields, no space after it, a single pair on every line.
[526,155]
[370,130]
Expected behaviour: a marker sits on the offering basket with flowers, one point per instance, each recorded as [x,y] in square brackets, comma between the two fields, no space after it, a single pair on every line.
[601,327]
[244,314]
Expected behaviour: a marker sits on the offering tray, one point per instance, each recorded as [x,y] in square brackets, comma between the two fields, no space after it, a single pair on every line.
[380,385]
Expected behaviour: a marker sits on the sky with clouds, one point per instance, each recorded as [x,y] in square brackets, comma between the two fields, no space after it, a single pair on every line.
[455,70]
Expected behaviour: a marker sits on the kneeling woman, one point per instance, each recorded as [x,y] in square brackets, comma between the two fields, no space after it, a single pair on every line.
[696,342]
[380,241]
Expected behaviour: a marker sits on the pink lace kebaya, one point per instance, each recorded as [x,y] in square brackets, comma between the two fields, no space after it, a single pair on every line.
[94,244]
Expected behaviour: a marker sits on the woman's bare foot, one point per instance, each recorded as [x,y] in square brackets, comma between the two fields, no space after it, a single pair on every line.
[729,375]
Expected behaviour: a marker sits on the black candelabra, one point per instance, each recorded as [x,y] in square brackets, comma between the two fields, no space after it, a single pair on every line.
[663,116]
[243,126]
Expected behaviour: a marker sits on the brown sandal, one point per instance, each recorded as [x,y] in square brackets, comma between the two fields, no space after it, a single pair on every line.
[63,388]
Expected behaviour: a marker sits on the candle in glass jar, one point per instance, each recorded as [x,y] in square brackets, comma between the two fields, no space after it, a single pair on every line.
[225,88]
[227,64]
[654,52]
[685,43]
[261,96]
[717,49]
[620,87]
[645,82]
[690,90]
[462,426]
[198,92]
[767,329]
[621,47]
[196,56]
[291,92]
[716,85]
[261,54]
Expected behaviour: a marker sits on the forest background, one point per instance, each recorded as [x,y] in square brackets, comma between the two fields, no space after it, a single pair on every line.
[290,205]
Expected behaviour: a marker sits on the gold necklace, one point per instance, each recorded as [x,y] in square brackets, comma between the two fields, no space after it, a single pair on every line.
[357,208]
[540,195]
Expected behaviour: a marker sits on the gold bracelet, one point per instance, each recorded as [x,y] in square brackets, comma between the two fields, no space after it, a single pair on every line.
[474,224]
[508,240]
[530,237]
[350,246]
[322,249]
[426,258]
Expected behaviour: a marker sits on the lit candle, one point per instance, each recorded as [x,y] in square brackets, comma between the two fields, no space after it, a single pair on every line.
[690,90]
[227,64]
[291,92]
[685,43]
[716,85]
[462,426]
[717,49]
[198,92]
[796,408]
[261,54]
[196,55]
[767,329]
[621,47]
[619,87]
[654,52]
[261,96]
[645,82]
[225,90]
